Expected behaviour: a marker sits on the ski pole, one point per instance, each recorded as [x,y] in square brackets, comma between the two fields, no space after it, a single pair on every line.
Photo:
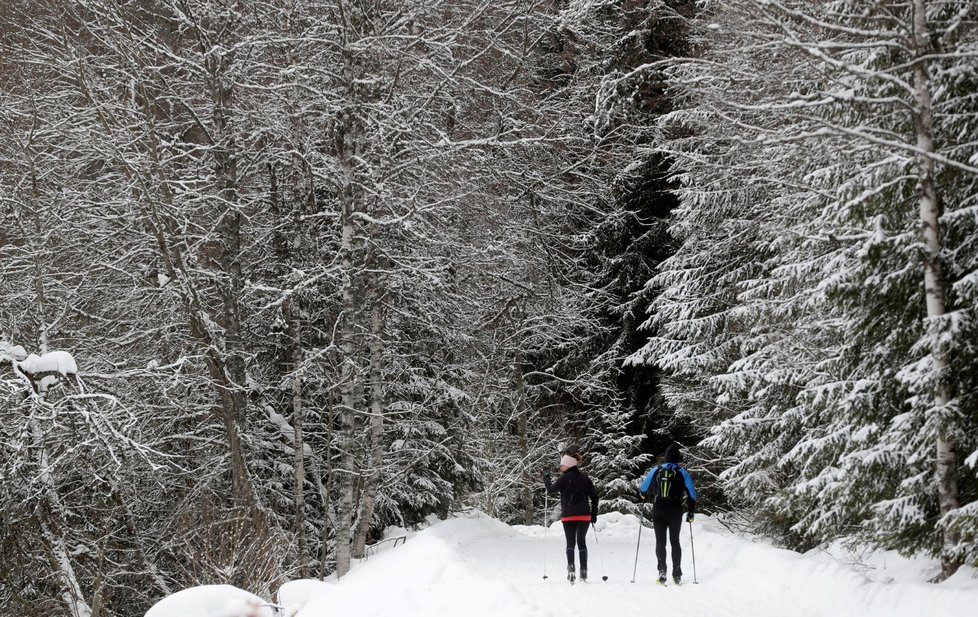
[546,510]
[692,549]
[604,576]
[641,518]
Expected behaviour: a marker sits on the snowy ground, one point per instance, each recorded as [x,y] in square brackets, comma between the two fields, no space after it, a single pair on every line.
[476,566]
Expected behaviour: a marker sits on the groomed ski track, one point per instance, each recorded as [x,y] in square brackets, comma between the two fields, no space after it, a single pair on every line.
[478,566]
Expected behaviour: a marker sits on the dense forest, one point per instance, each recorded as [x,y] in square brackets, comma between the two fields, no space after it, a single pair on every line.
[278,274]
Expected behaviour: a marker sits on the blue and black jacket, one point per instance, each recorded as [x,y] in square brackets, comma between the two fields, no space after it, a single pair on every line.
[662,501]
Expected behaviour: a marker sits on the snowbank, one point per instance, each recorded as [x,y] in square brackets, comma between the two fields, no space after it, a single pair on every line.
[211,601]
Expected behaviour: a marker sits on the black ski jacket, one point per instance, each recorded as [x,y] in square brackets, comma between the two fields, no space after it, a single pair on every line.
[576,490]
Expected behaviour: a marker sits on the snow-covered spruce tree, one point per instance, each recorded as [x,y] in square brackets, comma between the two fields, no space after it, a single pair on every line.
[906,91]
[619,230]
[725,345]
[858,426]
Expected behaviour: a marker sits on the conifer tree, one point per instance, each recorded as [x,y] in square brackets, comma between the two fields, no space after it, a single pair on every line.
[820,367]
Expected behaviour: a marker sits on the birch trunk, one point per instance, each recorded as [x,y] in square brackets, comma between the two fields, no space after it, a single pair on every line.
[526,497]
[71,591]
[348,137]
[42,325]
[345,478]
[299,444]
[329,517]
[375,460]
[934,285]
[348,374]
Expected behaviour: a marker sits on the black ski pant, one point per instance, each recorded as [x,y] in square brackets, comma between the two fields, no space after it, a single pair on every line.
[575,532]
[668,520]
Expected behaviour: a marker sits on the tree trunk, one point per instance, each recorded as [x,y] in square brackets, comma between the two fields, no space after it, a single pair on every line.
[522,411]
[295,354]
[42,326]
[325,492]
[934,285]
[232,287]
[225,369]
[61,563]
[346,480]
[51,520]
[348,372]
[375,460]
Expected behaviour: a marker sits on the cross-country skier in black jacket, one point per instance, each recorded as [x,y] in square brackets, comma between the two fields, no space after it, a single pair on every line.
[578,509]
[669,482]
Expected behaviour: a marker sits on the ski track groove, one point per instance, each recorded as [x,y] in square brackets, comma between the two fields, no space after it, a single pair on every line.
[555,597]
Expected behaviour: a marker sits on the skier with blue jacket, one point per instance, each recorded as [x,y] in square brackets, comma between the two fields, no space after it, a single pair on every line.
[669,482]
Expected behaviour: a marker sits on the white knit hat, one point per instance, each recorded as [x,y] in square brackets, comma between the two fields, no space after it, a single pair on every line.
[568,461]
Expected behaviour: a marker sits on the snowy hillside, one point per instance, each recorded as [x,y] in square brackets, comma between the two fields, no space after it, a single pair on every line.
[477,566]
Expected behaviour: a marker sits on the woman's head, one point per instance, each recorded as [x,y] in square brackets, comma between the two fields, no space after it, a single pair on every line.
[566,462]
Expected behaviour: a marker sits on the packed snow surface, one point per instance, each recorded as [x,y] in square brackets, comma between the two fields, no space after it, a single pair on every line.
[475,566]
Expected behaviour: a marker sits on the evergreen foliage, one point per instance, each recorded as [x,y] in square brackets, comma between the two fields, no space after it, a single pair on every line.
[795,325]
[618,233]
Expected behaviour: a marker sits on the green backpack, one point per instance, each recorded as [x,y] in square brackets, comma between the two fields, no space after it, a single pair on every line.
[668,484]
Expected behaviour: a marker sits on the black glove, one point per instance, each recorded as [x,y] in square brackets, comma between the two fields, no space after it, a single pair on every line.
[689,517]
[644,495]
[546,476]
[594,518]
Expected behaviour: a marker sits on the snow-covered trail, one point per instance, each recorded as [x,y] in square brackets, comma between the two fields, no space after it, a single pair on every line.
[481,567]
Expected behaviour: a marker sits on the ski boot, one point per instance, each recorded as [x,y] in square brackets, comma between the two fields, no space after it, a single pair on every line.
[677,578]
[584,573]
[662,577]
[570,573]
